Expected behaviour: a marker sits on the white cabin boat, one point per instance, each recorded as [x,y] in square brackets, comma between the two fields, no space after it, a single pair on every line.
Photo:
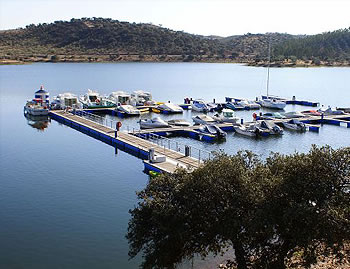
[93,99]
[39,106]
[153,123]
[120,98]
[141,98]
[228,115]
[64,100]
[203,119]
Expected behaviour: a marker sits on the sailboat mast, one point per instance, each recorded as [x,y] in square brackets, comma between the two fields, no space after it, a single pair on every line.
[268,68]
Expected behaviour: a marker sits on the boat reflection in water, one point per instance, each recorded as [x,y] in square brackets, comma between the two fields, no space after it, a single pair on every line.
[38,122]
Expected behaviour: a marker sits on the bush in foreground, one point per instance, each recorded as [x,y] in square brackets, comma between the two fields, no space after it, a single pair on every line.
[263,210]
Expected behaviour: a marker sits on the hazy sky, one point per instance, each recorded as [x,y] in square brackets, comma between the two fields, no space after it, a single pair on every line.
[222,17]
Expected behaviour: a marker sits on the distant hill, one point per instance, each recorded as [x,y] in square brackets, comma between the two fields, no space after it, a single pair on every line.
[99,39]
[327,46]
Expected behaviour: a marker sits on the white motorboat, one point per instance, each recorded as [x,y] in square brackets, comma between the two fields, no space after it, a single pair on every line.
[294,125]
[64,100]
[203,119]
[141,98]
[247,130]
[153,123]
[179,122]
[234,106]
[252,130]
[200,106]
[170,108]
[129,110]
[248,104]
[36,108]
[228,115]
[92,99]
[120,98]
[270,126]
[330,111]
[212,130]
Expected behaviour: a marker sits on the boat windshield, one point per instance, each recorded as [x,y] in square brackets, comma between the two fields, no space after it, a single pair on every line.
[228,114]
[92,98]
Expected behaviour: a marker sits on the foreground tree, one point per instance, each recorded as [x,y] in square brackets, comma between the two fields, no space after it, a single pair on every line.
[263,210]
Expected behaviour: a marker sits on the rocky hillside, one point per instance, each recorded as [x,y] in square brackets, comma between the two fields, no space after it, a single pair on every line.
[99,39]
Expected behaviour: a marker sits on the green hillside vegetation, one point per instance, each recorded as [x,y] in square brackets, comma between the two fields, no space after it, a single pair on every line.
[330,46]
[99,39]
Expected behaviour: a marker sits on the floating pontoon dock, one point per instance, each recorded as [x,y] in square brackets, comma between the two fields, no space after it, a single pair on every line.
[128,142]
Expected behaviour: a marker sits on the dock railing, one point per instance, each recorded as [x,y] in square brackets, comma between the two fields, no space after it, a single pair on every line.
[161,141]
[166,143]
[98,119]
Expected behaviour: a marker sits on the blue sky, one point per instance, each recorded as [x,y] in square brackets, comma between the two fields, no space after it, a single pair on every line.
[221,17]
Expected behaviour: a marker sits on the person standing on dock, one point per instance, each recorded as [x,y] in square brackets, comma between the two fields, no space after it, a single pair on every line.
[118,125]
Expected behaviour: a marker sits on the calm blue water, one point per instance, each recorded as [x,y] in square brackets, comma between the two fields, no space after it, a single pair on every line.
[65,196]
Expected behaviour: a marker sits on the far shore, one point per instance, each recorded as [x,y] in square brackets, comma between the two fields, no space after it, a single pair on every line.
[164,58]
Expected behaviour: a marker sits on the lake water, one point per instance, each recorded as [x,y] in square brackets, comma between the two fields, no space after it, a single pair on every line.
[65,197]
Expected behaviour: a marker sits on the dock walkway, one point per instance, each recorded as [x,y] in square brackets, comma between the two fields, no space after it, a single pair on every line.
[128,141]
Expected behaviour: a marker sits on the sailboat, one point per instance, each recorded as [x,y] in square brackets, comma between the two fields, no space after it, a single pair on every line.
[269,101]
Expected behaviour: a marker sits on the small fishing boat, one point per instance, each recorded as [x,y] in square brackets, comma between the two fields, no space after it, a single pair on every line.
[212,130]
[234,106]
[294,125]
[129,110]
[153,123]
[179,122]
[272,115]
[270,126]
[228,115]
[248,104]
[251,130]
[330,111]
[203,119]
[293,114]
[200,106]
[168,108]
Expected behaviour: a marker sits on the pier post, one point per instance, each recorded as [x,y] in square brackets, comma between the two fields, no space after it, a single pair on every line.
[187,151]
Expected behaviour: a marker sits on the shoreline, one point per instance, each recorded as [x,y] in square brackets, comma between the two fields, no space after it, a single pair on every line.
[169,59]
